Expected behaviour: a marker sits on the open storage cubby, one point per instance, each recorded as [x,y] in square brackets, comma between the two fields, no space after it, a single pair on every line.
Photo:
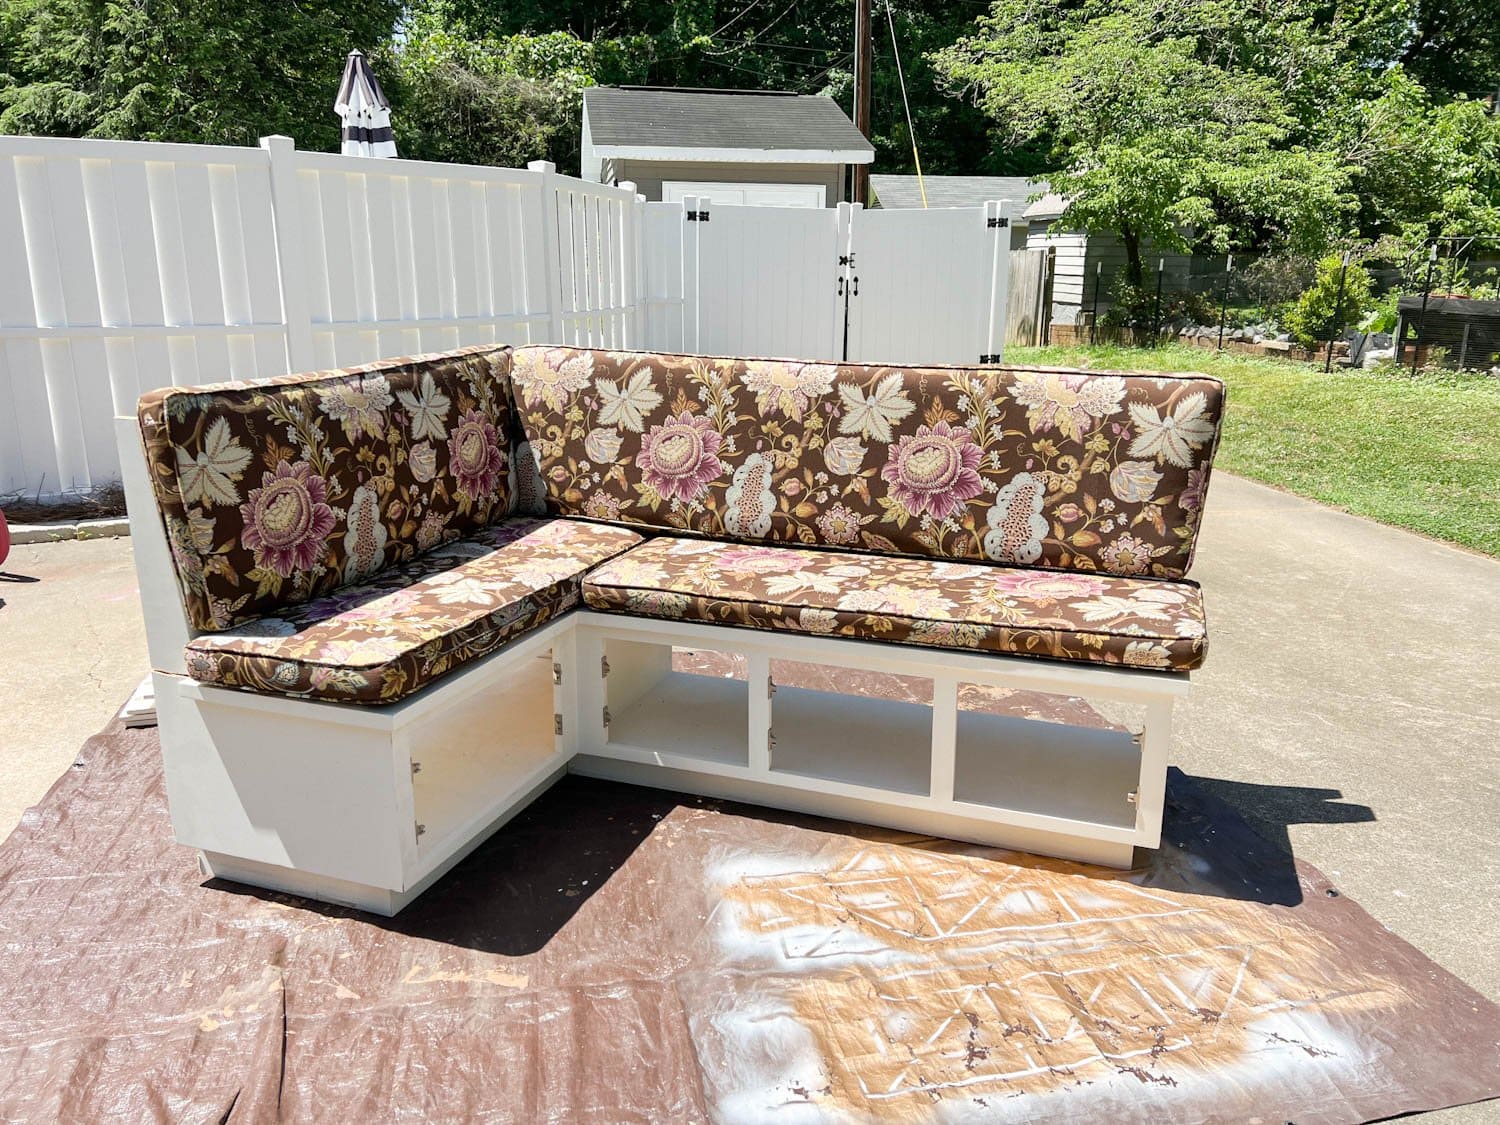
[478,752]
[676,701]
[1053,755]
[1007,751]
[854,727]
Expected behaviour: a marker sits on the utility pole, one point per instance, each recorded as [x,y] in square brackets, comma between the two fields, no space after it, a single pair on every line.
[862,63]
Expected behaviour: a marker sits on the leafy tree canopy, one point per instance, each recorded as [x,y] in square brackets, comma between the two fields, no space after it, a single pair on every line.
[1224,124]
[206,71]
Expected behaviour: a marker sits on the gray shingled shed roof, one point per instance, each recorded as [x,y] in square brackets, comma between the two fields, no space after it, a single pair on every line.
[635,121]
[952,191]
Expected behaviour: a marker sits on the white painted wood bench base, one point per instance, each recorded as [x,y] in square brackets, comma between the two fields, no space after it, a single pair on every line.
[368,807]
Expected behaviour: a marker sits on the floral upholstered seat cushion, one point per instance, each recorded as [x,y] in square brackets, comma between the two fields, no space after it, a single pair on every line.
[276,492]
[1099,471]
[386,638]
[1098,618]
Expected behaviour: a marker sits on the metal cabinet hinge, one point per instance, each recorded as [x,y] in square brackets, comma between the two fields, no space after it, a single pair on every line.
[421,831]
[994,221]
[416,768]
[607,716]
[1139,737]
[770,687]
[556,672]
[556,722]
[770,739]
[604,666]
[1130,797]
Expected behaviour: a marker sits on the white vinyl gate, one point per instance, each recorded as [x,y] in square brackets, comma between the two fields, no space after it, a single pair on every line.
[882,286]
[928,286]
[764,279]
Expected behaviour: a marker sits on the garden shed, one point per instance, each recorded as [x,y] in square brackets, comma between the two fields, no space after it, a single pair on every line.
[1079,259]
[730,146]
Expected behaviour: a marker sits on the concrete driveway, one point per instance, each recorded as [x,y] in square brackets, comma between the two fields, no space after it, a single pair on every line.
[1350,707]
[72,649]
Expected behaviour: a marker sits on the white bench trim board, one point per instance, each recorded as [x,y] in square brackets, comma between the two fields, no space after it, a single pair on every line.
[367,807]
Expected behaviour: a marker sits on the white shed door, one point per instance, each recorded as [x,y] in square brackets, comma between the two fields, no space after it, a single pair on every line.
[756,195]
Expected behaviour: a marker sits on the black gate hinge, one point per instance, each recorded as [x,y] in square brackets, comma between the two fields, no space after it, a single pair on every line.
[997,221]
[990,357]
[846,259]
[697,216]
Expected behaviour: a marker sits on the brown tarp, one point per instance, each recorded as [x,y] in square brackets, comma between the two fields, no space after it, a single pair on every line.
[621,954]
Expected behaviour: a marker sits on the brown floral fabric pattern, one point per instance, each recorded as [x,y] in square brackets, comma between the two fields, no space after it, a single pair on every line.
[273,493]
[382,640]
[1076,616]
[1092,471]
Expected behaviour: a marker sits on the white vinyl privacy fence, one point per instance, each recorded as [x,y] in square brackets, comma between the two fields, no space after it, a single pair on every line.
[125,266]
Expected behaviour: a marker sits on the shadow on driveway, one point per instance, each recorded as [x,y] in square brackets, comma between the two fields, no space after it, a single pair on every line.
[522,886]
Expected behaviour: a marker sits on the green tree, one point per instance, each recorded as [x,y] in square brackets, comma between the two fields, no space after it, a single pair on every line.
[1157,128]
[208,71]
[1451,46]
[1422,167]
[485,99]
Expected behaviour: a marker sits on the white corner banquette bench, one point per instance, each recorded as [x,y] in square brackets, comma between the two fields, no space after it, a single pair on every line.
[387,606]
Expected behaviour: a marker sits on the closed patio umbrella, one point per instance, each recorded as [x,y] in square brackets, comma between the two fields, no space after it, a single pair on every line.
[365,111]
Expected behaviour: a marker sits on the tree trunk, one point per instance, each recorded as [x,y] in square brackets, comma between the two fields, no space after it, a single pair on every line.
[1134,270]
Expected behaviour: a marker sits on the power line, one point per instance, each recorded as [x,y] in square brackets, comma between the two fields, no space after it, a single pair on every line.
[910,128]
[736,19]
[751,41]
[849,57]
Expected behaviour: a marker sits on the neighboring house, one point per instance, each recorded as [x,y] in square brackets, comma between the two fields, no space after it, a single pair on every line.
[1080,260]
[731,146]
[892,192]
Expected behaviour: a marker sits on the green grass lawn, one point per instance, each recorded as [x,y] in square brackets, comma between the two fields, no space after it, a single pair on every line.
[1418,452]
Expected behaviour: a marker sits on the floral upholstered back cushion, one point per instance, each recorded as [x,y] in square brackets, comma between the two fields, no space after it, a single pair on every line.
[273,493]
[1029,466]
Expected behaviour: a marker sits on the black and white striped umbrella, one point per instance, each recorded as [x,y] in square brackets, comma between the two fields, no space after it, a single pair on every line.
[365,111]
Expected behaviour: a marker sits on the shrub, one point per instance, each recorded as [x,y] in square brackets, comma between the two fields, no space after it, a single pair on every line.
[1272,282]
[1317,313]
[1382,318]
[1135,307]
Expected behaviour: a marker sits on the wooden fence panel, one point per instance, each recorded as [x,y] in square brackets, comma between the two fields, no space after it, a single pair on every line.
[1026,315]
